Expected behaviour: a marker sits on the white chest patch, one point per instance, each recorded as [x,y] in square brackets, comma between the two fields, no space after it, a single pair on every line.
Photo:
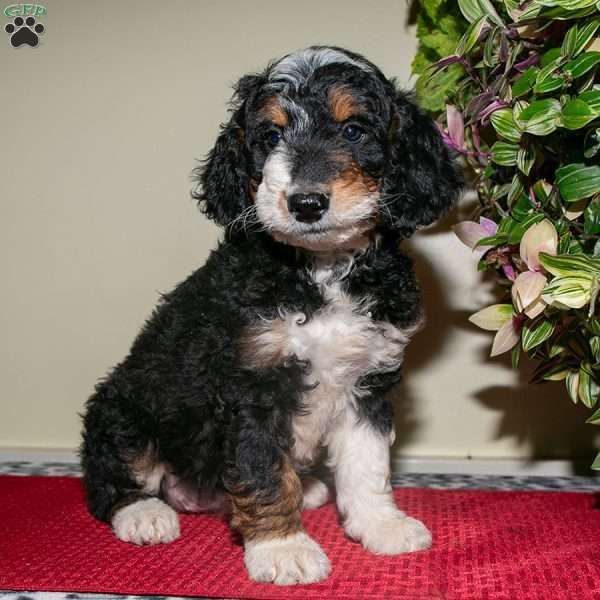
[342,343]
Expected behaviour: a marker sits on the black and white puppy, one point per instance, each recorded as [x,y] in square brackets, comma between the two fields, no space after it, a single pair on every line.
[287,340]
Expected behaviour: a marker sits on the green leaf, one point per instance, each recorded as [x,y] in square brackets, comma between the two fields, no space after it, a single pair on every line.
[575,248]
[488,9]
[504,124]
[577,181]
[585,83]
[547,79]
[569,42]
[593,326]
[505,225]
[542,189]
[549,84]
[471,35]
[572,383]
[514,356]
[505,154]
[588,389]
[556,350]
[470,9]
[582,64]
[490,49]
[499,191]
[564,265]
[550,56]
[595,420]
[592,99]
[492,240]
[524,83]
[584,35]
[517,232]
[534,335]
[531,11]
[540,117]
[591,143]
[573,291]
[558,373]
[564,243]
[515,190]
[592,218]
[513,55]
[475,9]
[596,464]
[576,114]
[561,13]
[526,158]
[518,108]
[522,208]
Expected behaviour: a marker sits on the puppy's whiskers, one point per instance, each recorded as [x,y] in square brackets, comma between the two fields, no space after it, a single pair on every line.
[246,218]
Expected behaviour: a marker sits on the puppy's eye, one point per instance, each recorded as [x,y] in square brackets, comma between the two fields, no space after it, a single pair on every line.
[272,138]
[353,133]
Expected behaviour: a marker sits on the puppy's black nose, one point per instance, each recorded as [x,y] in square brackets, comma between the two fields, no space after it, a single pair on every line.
[308,208]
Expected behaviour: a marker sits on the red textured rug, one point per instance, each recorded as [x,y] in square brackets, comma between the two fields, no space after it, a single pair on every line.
[487,545]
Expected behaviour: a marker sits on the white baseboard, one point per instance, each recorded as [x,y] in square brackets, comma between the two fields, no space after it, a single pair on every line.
[493,466]
[417,464]
[63,455]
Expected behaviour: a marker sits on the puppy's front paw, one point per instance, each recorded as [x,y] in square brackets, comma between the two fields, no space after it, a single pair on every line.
[286,561]
[148,521]
[388,347]
[392,536]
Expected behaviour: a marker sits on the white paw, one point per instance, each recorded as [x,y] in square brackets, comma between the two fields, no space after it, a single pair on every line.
[315,492]
[286,561]
[388,347]
[391,536]
[148,521]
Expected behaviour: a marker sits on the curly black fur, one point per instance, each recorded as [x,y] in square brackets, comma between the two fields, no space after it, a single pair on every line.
[183,391]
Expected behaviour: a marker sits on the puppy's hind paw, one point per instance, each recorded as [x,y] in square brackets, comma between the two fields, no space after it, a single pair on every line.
[315,492]
[148,521]
[286,561]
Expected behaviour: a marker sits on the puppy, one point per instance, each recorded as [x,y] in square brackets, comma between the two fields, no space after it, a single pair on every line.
[287,340]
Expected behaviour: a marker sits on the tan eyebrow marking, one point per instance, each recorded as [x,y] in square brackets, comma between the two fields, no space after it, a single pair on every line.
[342,103]
[273,111]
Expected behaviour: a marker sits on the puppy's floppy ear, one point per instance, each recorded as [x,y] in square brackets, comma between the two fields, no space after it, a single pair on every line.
[421,179]
[224,176]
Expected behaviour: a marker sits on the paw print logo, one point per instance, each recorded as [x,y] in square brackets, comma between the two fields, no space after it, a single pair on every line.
[24,32]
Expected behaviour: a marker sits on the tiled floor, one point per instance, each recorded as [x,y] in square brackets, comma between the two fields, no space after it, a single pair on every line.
[445,481]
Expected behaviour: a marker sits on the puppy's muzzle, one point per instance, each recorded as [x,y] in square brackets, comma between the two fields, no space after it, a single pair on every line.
[308,208]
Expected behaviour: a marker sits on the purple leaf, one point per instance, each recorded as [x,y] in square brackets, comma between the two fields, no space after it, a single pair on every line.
[530,61]
[443,63]
[532,196]
[469,233]
[509,271]
[493,107]
[491,227]
[478,103]
[508,336]
[456,126]
[503,53]
[476,138]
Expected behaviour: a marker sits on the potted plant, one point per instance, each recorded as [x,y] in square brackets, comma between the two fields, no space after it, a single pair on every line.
[518,98]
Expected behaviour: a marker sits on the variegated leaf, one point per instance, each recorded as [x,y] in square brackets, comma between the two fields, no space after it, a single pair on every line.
[534,335]
[492,317]
[573,291]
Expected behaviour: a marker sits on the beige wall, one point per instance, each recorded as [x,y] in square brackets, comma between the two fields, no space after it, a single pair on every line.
[100,127]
